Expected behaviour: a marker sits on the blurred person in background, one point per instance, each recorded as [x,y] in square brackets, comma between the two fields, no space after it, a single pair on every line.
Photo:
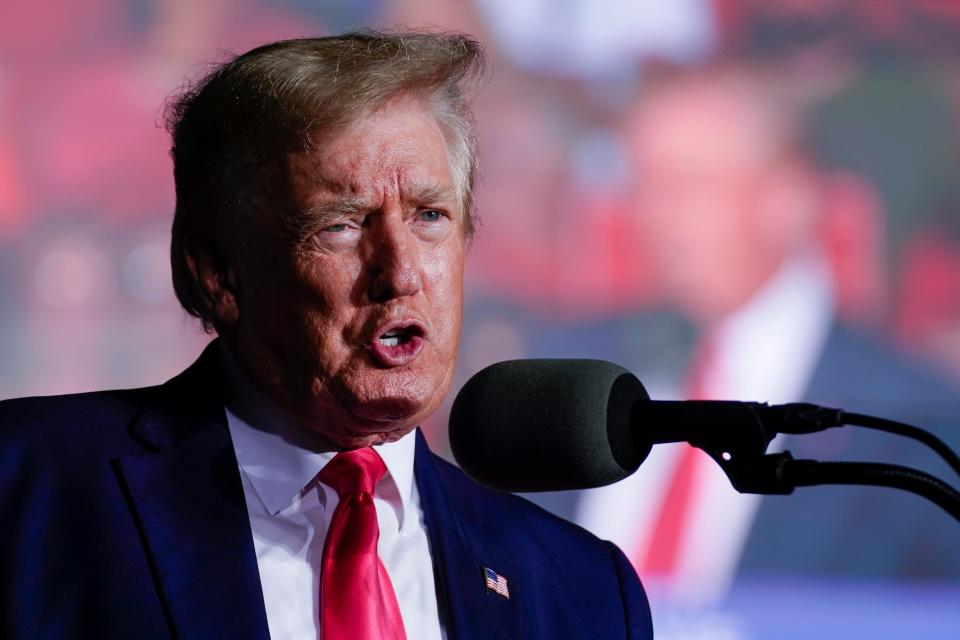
[736,213]
[928,294]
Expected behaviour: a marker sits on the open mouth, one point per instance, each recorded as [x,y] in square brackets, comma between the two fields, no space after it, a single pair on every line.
[397,336]
[398,343]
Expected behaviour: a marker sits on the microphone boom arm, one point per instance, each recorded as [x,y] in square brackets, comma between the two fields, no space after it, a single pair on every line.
[741,432]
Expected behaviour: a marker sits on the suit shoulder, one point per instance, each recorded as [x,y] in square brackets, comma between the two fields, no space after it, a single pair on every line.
[848,348]
[868,374]
[62,419]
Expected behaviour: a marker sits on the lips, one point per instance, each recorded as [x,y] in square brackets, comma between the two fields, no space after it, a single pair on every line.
[397,342]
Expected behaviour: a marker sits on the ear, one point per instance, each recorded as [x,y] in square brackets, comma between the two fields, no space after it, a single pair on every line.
[214,280]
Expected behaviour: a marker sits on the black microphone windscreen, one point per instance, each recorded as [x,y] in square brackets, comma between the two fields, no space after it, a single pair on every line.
[547,425]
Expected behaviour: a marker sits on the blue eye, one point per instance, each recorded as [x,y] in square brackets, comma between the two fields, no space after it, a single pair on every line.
[335,228]
[430,216]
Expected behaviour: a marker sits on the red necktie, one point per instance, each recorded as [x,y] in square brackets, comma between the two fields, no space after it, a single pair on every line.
[663,552]
[357,601]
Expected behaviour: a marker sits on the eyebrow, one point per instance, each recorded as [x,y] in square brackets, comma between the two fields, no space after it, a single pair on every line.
[318,216]
[424,193]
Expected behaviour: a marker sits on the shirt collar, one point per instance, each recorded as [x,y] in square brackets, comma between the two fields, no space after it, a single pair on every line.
[280,458]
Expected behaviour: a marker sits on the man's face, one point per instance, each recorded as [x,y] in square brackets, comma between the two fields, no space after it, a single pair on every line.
[355,331]
[717,203]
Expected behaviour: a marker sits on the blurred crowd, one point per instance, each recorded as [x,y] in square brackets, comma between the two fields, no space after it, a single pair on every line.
[86,192]
[734,198]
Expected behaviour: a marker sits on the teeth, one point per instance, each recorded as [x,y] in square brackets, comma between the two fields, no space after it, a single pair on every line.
[396,336]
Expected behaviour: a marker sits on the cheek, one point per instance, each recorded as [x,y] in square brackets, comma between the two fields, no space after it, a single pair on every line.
[326,283]
[443,275]
[319,307]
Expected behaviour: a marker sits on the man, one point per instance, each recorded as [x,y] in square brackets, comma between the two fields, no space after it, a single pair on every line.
[279,486]
[732,204]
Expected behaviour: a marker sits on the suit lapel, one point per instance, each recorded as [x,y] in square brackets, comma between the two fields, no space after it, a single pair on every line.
[188,500]
[189,504]
[468,608]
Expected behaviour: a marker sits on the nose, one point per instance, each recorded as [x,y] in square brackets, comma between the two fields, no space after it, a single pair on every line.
[394,261]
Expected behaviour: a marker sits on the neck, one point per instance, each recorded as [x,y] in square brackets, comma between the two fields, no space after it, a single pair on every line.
[250,404]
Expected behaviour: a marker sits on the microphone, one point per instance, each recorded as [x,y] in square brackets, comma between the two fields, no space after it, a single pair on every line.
[558,424]
[545,425]
[552,425]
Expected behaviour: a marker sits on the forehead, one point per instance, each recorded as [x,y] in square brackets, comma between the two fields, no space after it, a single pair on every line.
[720,123]
[395,149]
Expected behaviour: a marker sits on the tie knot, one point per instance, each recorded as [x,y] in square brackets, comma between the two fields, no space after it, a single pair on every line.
[351,472]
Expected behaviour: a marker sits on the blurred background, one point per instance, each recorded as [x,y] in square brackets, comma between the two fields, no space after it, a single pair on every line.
[739,199]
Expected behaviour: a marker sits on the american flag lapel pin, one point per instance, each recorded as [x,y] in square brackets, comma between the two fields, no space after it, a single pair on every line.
[496,583]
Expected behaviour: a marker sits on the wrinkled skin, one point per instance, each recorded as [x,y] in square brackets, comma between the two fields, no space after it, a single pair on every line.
[300,316]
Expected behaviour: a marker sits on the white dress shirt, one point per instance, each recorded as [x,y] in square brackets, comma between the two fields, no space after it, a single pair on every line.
[765,352]
[290,512]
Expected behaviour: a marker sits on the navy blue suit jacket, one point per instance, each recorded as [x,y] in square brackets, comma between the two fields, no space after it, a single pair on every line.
[122,515]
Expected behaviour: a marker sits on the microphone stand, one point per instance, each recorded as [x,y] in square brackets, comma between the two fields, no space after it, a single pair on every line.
[742,431]
[780,473]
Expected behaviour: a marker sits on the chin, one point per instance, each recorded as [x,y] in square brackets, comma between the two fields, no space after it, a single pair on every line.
[369,406]
[387,413]
[346,439]
[392,396]
[353,422]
